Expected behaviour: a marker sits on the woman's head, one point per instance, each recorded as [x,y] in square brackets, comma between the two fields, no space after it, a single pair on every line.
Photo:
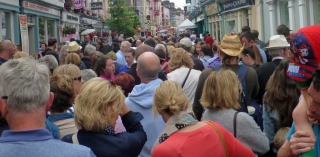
[104,65]
[73,58]
[43,46]
[99,45]
[221,90]
[74,72]
[251,55]
[198,47]
[180,58]
[95,106]
[62,88]
[169,98]
[125,81]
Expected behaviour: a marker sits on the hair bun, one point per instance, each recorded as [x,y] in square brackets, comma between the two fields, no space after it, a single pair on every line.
[174,108]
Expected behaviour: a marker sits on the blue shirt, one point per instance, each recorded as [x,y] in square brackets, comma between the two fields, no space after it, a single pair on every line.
[2,61]
[316,130]
[120,58]
[263,54]
[123,69]
[38,143]
[205,60]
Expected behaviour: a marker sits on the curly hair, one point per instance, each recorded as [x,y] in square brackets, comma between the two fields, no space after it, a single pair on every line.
[101,63]
[125,81]
[282,94]
[62,88]
[180,58]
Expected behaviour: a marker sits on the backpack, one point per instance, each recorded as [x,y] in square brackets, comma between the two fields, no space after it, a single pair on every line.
[244,97]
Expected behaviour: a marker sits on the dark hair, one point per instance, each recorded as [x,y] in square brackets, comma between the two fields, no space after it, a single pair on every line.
[206,49]
[186,35]
[316,81]
[72,39]
[254,53]
[132,51]
[100,43]
[255,34]
[282,94]
[247,35]
[125,81]
[150,42]
[283,30]
[161,54]
[101,63]
[245,29]
[52,41]
[62,88]
[44,45]
[214,47]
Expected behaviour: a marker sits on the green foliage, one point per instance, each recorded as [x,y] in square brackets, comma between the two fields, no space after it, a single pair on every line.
[123,19]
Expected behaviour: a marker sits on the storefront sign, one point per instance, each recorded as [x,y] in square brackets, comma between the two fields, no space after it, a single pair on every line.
[200,18]
[96,6]
[79,4]
[236,4]
[188,1]
[59,3]
[211,9]
[24,33]
[41,8]
[70,18]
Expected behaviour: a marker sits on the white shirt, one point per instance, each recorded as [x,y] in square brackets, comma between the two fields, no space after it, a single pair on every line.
[191,84]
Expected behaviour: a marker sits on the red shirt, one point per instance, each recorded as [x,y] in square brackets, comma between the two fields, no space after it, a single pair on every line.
[202,142]
[209,41]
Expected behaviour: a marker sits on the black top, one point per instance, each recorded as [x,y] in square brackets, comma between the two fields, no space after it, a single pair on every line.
[198,65]
[87,62]
[51,52]
[132,71]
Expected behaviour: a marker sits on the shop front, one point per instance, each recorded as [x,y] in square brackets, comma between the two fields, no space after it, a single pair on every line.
[9,19]
[235,14]
[43,18]
[201,25]
[214,20]
[70,21]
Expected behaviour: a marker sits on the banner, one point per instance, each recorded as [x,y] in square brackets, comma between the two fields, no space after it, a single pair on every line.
[24,33]
[236,4]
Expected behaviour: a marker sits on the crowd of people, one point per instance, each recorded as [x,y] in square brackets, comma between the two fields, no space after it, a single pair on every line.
[163,96]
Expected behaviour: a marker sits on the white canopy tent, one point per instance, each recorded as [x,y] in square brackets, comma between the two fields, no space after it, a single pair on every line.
[187,24]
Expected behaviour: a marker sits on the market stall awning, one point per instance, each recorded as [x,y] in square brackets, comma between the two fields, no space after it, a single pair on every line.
[187,24]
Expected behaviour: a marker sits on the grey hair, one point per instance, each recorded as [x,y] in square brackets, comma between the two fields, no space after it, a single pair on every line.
[88,74]
[147,72]
[50,61]
[26,83]
[160,46]
[125,43]
[276,52]
[89,49]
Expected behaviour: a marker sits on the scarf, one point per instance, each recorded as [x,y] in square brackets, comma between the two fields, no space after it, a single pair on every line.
[107,77]
[174,124]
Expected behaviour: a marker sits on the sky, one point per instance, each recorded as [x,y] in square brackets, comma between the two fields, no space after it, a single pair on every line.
[179,3]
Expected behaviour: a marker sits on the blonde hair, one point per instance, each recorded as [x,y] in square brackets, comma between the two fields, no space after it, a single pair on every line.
[170,49]
[180,58]
[67,69]
[93,100]
[220,89]
[63,53]
[169,98]
[280,137]
[112,55]
[73,58]
[20,54]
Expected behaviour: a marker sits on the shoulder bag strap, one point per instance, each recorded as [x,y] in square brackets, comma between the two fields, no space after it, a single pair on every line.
[164,65]
[186,78]
[235,124]
[75,139]
[221,137]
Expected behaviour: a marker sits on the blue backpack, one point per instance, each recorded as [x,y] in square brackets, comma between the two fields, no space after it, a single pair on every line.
[244,97]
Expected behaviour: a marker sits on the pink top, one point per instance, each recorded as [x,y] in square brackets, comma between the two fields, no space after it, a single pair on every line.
[107,77]
[119,128]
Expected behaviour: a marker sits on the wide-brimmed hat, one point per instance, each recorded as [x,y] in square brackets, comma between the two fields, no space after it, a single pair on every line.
[230,45]
[278,41]
[306,50]
[74,46]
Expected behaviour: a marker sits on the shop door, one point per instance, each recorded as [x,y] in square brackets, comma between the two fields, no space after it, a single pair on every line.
[32,49]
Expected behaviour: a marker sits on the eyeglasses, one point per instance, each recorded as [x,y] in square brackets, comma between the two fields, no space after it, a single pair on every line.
[77,78]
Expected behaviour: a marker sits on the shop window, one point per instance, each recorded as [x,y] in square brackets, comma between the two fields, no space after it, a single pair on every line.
[284,12]
[231,26]
[46,29]
[5,28]
[30,19]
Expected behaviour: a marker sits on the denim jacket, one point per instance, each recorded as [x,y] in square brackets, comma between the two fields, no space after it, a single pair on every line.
[270,123]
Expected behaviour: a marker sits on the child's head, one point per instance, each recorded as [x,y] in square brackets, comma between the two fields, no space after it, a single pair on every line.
[280,137]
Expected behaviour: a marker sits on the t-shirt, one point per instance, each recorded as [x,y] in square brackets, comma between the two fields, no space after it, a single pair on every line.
[316,130]
[201,142]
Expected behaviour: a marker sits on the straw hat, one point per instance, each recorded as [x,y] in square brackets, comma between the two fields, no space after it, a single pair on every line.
[278,41]
[73,46]
[231,45]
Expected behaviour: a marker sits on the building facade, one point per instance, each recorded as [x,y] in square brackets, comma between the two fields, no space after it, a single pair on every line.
[9,20]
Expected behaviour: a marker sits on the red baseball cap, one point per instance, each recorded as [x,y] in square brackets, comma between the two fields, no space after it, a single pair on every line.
[306,50]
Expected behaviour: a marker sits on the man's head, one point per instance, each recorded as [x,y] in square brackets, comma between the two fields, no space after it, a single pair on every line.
[186,44]
[278,46]
[124,46]
[245,29]
[7,49]
[24,75]
[52,42]
[283,30]
[255,34]
[150,42]
[142,49]
[138,43]
[89,51]
[129,56]
[186,35]
[87,38]
[105,41]
[50,61]
[148,67]
[74,47]
[161,46]
[247,39]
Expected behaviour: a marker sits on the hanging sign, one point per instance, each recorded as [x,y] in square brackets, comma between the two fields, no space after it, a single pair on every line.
[79,4]
[24,33]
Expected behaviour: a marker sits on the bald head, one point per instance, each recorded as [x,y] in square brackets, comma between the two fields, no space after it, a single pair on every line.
[7,49]
[5,45]
[142,49]
[148,67]
[138,43]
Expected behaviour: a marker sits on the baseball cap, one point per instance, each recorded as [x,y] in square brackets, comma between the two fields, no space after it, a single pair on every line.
[186,42]
[306,50]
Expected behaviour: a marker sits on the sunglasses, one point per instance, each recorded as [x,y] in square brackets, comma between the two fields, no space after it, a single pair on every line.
[77,78]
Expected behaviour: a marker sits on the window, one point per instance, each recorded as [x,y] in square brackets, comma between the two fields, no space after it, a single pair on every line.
[5,23]
[231,26]
[46,29]
[284,13]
